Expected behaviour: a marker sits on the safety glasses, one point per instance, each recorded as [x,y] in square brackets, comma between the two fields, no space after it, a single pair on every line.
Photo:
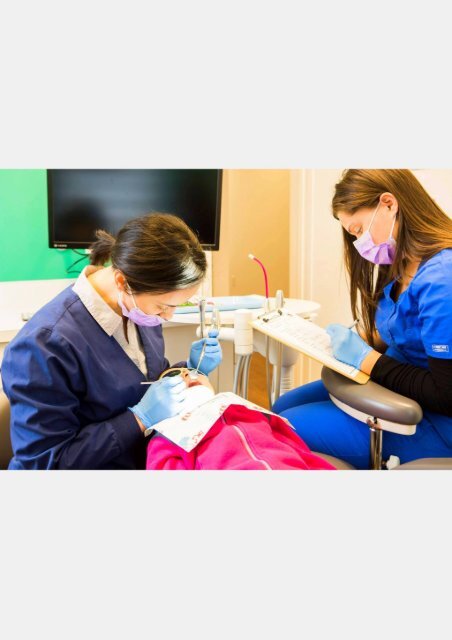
[175,372]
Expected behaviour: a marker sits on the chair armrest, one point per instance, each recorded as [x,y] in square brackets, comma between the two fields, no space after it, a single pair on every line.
[372,399]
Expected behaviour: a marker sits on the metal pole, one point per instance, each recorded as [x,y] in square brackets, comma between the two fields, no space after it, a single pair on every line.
[246,373]
[238,375]
[376,444]
[277,373]
[267,371]
[279,303]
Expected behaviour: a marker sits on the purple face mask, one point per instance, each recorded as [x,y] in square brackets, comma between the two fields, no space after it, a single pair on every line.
[137,316]
[377,253]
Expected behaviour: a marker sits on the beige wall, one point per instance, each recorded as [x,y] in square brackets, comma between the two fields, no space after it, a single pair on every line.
[316,268]
[438,182]
[254,219]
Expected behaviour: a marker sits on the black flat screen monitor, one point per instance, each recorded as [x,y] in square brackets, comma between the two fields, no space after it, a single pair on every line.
[83,200]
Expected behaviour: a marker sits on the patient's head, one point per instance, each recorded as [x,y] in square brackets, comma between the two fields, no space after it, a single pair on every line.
[199,390]
[201,379]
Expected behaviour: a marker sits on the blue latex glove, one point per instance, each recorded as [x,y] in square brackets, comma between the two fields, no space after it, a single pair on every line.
[212,355]
[347,345]
[162,400]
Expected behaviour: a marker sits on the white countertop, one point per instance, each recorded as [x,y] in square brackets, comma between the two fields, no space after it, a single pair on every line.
[25,297]
[303,308]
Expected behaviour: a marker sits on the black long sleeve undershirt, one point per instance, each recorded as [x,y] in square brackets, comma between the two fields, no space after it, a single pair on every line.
[431,388]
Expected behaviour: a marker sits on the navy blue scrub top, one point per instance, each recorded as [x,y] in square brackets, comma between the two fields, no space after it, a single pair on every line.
[418,324]
[70,385]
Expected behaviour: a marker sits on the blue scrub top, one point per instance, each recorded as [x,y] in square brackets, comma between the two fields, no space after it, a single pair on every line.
[70,385]
[419,324]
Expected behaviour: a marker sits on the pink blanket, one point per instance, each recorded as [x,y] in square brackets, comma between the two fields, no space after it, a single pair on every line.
[240,439]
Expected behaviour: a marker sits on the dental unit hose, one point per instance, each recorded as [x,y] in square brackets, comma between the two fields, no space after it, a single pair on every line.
[250,255]
[267,339]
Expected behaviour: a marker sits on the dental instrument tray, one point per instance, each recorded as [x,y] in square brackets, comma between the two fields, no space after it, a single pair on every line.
[225,303]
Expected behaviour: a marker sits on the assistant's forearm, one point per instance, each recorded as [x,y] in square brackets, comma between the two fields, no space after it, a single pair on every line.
[431,387]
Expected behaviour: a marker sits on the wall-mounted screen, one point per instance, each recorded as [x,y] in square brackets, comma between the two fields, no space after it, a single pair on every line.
[83,200]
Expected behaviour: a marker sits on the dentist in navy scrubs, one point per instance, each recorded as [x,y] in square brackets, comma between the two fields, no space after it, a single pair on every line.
[72,374]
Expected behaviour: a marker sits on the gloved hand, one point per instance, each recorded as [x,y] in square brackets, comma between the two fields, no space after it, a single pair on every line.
[347,345]
[162,400]
[212,355]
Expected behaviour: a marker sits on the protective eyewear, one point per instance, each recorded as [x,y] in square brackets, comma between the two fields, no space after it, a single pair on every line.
[171,373]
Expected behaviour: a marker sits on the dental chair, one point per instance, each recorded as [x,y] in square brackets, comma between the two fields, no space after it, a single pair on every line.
[6,452]
[382,410]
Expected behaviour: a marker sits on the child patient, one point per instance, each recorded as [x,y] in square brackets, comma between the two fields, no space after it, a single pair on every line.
[241,438]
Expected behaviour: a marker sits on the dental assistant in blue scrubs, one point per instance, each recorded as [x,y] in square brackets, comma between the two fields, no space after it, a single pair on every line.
[73,374]
[398,255]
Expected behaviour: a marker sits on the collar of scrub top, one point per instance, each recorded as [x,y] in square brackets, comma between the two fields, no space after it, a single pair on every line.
[108,319]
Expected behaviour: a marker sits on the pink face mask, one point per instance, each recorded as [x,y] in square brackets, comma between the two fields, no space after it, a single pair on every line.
[377,253]
[137,316]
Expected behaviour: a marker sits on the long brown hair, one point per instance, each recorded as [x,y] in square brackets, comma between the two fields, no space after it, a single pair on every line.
[156,253]
[423,230]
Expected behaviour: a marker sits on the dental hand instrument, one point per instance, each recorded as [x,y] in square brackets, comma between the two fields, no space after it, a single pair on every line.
[202,316]
[215,322]
[194,374]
